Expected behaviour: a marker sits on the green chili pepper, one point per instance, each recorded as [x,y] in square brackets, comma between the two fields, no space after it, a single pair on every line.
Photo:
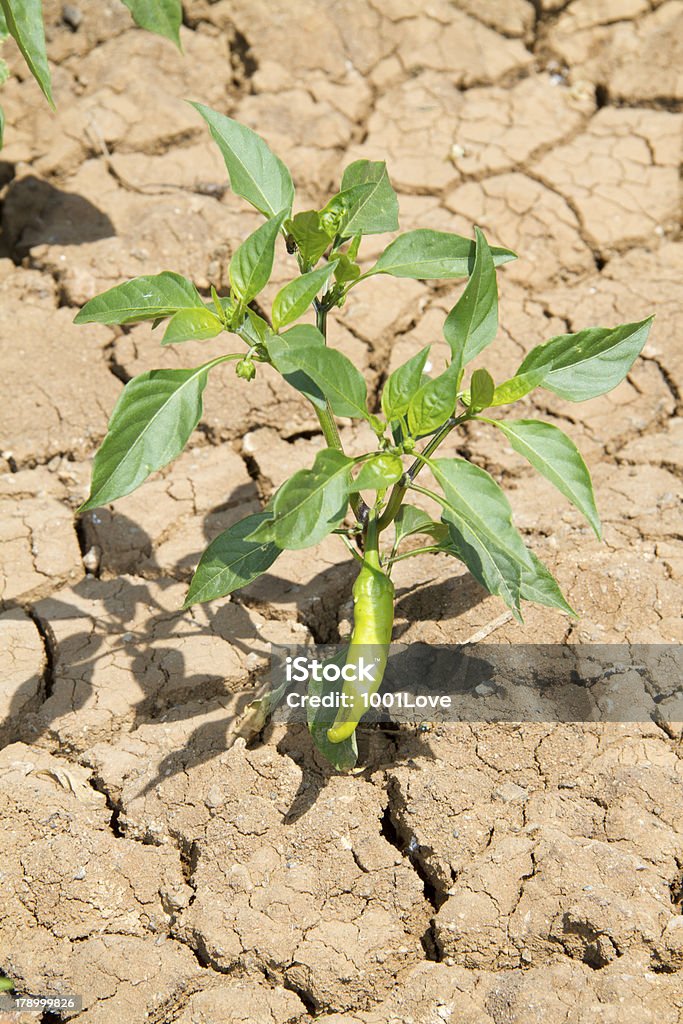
[373,619]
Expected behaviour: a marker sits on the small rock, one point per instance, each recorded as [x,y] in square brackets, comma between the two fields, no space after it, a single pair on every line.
[510,792]
[91,559]
[214,797]
[72,16]
[485,689]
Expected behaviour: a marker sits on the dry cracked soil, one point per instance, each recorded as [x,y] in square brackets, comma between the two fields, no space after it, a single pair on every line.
[151,860]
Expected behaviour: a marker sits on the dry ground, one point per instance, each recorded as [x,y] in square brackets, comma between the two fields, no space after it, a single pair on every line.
[477,874]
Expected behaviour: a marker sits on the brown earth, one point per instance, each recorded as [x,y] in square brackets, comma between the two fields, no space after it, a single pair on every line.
[477,874]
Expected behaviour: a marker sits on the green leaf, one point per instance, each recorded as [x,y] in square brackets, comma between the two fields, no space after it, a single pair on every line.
[433,402]
[333,374]
[284,356]
[402,384]
[254,329]
[378,473]
[481,390]
[223,308]
[143,298]
[252,263]
[590,363]
[256,174]
[6,984]
[511,390]
[341,208]
[293,300]
[424,254]
[161,16]
[24,21]
[473,322]
[483,536]
[557,458]
[311,240]
[231,561]
[150,425]
[346,269]
[539,585]
[192,325]
[310,504]
[411,520]
[378,211]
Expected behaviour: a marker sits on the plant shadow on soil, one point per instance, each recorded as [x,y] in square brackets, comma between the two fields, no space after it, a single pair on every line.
[35,213]
[164,679]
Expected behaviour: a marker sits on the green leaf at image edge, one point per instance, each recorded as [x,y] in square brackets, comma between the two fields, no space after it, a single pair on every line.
[164,17]
[256,173]
[24,20]
[231,561]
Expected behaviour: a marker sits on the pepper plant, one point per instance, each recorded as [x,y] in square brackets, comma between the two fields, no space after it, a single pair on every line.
[366,499]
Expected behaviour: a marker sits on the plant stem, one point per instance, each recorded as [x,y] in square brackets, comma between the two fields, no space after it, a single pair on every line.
[429,494]
[415,551]
[399,491]
[371,546]
[351,548]
[325,416]
[328,423]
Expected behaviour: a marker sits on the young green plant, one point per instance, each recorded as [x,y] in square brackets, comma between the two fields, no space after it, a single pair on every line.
[364,499]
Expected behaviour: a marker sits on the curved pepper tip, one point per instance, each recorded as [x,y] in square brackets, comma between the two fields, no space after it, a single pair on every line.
[341,732]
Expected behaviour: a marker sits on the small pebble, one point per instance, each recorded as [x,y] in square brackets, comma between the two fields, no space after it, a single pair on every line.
[485,689]
[72,16]
[91,559]
[214,797]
